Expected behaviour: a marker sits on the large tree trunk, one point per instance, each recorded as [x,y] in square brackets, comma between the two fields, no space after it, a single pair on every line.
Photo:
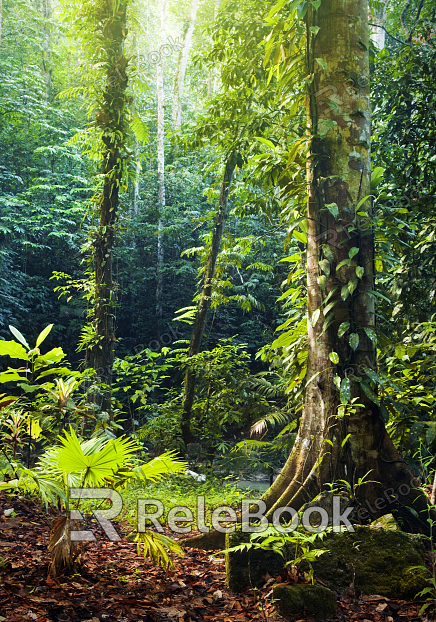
[111,119]
[160,163]
[179,82]
[206,296]
[338,179]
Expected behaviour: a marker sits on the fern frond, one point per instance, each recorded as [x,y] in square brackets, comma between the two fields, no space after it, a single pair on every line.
[158,548]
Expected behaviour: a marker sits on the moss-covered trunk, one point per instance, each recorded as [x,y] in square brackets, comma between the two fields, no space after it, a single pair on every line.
[339,439]
[111,119]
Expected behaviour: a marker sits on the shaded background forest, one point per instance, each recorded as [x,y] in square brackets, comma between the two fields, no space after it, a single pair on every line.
[46,225]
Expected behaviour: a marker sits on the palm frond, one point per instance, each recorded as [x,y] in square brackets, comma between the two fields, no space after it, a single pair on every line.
[157,468]
[158,548]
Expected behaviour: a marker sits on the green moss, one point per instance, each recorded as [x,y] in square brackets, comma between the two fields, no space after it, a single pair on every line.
[378,561]
[301,601]
[248,568]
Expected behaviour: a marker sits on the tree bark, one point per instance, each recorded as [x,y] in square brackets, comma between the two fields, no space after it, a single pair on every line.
[111,119]
[331,445]
[179,82]
[206,296]
[160,163]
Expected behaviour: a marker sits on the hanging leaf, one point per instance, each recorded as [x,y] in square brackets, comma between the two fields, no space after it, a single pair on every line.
[384,413]
[337,382]
[379,265]
[343,328]
[300,236]
[370,393]
[377,176]
[334,357]
[326,249]
[345,262]
[400,351]
[360,271]
[354,341]
[332,207]
[345,390]
[322,281]
[352,252]
[16,333]
[315,317]
[324,264]
[371,334]
[352,284]
[345,292]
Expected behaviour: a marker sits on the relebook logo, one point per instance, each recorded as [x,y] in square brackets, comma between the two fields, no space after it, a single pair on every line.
[180,519]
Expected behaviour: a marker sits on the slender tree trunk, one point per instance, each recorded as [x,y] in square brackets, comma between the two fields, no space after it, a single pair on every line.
[378,17]
[46,52]
[111,119]
[211,77]
[160,163]
[332,444]
[179,82]
[135,197]
[206,295]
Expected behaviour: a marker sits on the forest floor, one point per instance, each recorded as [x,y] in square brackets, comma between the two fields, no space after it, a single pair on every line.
[114,584]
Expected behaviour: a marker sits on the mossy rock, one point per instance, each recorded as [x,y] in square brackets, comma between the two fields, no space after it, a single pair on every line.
[248,568]
[212,541]
[377,561]
[296,602]
[385,522]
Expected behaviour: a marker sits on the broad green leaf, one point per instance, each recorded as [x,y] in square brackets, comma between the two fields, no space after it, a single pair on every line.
[332,207]
[353,251]
[376,176]
[343,328]
[345,390]
[322,281]
[352,284]
[334,357]
[52,356]
[12,376]
[161,466]
[14,350]
[370,393]
[324,264]
[323,63]
[371,334]
[16,333]
[362,201]
[345,292]
[266,142]
[345,262]
[379,265]
[360,271]
[315,317]
[400,351]
[300,236]
[328,253]
[337,382]
[42,335]
[354,341]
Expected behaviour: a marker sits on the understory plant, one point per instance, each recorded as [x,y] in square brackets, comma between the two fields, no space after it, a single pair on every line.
[101,462]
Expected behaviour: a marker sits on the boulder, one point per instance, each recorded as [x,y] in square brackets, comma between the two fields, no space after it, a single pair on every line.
[248,568]
[372,560]
[301,601]
[376,561]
